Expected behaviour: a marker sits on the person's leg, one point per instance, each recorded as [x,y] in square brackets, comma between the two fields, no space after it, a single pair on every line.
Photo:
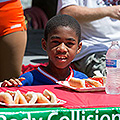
[91,63]
[12,48]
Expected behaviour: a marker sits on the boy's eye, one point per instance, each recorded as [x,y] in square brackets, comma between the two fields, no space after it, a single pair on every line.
[70,44]
[55,41]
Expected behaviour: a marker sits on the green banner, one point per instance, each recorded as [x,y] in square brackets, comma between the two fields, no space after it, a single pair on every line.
[60,114]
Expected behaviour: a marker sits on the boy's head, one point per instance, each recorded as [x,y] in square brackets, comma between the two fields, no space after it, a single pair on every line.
[62,40]
[62,20]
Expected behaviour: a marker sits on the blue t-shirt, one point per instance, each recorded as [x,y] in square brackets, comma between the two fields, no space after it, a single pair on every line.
[41,77]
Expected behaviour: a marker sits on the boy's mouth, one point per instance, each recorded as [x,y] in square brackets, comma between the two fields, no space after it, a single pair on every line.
[61,58]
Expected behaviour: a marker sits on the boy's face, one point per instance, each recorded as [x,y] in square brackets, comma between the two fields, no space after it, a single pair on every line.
[62,46]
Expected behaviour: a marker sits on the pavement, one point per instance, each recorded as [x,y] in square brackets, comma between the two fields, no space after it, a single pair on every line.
[34,53]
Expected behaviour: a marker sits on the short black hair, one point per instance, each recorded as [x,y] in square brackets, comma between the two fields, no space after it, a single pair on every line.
[62,20]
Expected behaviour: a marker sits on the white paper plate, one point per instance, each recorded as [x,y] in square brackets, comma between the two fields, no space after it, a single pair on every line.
[60,103]
[88,89]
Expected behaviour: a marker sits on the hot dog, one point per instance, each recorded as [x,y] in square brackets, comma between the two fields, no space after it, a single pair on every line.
[76,82]
[16,97]
[9,97]
[94,82]
[32,97]
[41,98]
[83,83]
[52,96]
[46,97]
[102,80]
[28,98]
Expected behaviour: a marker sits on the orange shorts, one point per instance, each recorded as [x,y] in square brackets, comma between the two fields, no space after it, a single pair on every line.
[11,17]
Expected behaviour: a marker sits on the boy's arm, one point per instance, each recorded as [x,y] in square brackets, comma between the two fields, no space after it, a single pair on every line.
[79,75]
[24,80]
[12,82]
[85,14]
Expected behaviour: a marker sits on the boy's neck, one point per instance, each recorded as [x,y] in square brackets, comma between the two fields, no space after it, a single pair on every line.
[60,74]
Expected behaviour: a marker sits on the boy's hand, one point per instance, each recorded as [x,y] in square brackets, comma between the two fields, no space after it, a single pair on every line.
[12,82]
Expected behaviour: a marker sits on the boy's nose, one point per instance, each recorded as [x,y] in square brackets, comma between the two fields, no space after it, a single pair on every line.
[62,47]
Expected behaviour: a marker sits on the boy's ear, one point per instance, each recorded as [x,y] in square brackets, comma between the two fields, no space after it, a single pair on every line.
[44,44]
[79,47]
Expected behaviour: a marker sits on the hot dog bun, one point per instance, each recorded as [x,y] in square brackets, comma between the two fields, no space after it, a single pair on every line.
[29,98]
[9,97]
[94,82]
[53,98]
[22,99]
[76,82]
[16,97]
[81,83]
[6,98]
[100,79]
[41,98]
[33,97]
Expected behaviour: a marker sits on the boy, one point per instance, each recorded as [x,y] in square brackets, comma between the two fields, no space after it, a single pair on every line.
[61,42]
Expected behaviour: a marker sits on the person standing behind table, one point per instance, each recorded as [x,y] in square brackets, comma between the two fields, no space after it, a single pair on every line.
[62,42]
[13,38]
[100,23]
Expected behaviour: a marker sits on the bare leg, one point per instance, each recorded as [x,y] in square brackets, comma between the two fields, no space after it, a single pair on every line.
[12,48]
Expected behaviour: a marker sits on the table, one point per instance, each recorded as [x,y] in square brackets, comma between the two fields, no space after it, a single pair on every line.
[79,106]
